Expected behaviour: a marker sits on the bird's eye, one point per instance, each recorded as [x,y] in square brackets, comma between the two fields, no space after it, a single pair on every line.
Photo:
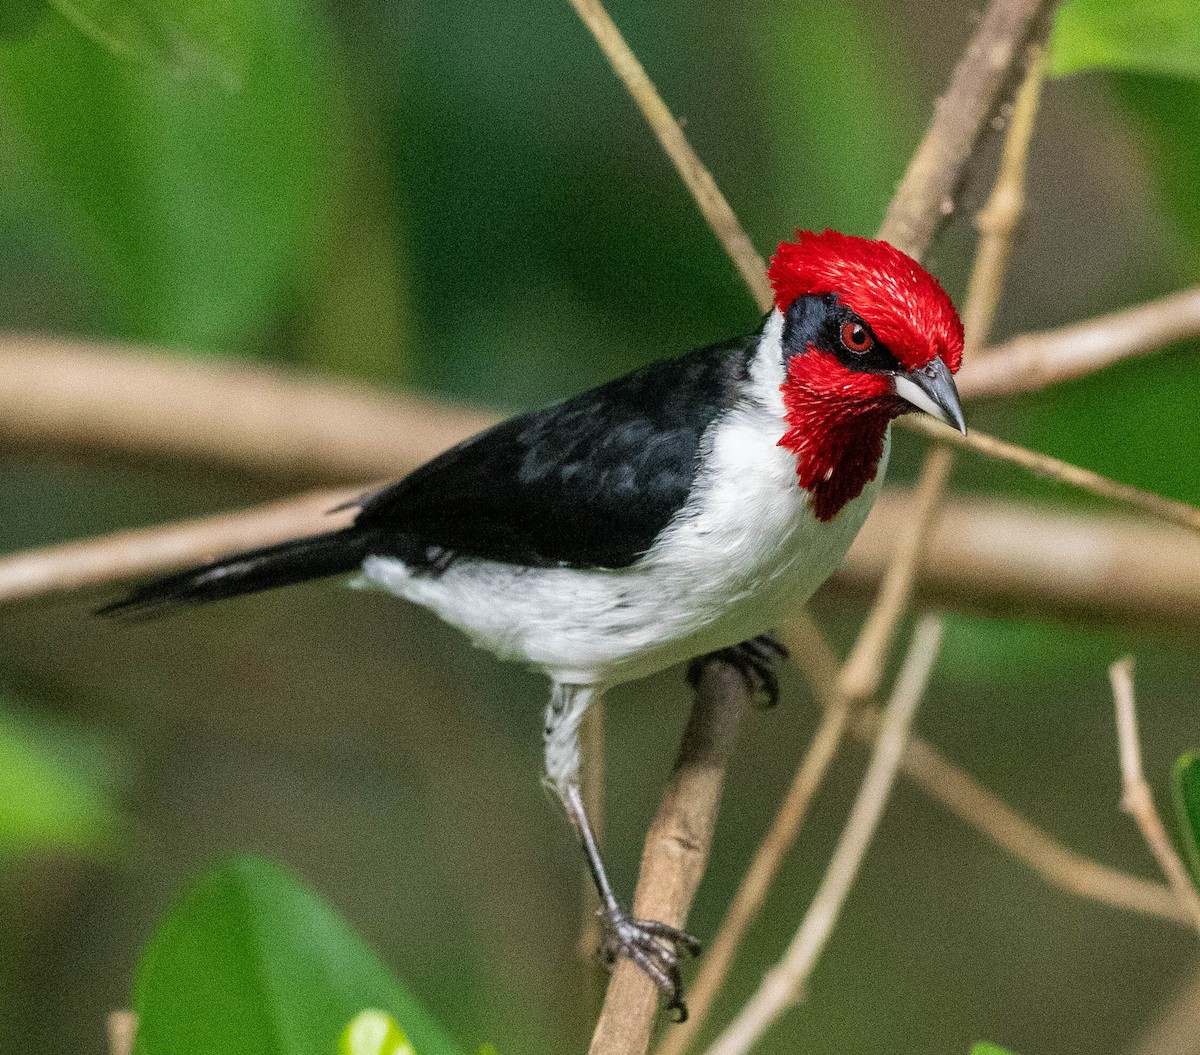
[855,337]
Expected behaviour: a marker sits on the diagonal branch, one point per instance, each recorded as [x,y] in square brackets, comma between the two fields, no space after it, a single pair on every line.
[1138,802]
[1035,361]
[709,199]
[1154,505]
[783,986]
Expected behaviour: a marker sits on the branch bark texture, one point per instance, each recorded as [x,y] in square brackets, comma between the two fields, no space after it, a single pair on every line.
[676,851]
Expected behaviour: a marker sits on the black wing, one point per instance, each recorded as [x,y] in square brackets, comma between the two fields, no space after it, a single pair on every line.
[589,482]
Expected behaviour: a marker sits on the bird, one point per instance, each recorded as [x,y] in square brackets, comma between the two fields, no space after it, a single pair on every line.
[672,515]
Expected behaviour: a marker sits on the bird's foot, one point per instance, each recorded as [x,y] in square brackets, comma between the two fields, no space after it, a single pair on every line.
[655,947]
[754,660]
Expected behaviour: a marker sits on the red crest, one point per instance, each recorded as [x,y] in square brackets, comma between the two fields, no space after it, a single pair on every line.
[901,301]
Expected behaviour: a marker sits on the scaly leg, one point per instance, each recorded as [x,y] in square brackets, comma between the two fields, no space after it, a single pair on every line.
[655,947]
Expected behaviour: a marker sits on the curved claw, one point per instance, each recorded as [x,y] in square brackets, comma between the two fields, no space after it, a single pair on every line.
[753,659]
[655,947]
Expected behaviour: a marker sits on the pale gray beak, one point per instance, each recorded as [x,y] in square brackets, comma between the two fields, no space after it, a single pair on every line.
[932,390]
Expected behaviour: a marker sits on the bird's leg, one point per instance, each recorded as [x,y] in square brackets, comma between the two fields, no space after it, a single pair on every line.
[754,660]
[655,947]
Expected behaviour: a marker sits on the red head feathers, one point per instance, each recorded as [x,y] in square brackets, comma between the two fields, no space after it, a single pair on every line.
[901,301]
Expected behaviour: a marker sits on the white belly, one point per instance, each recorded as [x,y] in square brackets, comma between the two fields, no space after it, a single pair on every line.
[743,552]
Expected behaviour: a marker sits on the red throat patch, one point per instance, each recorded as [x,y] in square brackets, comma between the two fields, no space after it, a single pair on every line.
[836,422]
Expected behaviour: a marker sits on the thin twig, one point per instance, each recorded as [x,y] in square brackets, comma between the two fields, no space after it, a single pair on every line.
[982,78]
[676,851]
[784,984]
[1035,361]
[863,671]
[1172,1029]
[1064,472]
[980,808]
[121,1027]
[990,815]
[752,892]
[711,202]
[1137,801]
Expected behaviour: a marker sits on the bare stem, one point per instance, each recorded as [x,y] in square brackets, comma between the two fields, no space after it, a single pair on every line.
[784,985]
[982,78]
[752,893]
[992,817]
[1064,472]
[711,202]
[121,1027]
[1035,361]
[1138,802]
[861,675]
[863,671]
[676,851]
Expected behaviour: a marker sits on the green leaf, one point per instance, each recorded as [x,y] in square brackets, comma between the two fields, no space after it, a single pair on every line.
[195,210]
[800,53]
[1185,784]
[53,792]
[1148,36]
[984,1048]
[252,961]
[187,38]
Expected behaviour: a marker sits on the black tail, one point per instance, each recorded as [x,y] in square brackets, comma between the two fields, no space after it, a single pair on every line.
[284,564]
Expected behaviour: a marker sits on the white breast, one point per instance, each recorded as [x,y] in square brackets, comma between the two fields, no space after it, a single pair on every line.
[743,552]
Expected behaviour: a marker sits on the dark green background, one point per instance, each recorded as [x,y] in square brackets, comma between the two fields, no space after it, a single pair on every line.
[459,197]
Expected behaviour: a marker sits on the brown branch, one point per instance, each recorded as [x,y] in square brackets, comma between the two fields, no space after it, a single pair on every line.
[101,397]
[990,815]
[1038,360]
[57,393]
[863,671]
[708,197]
[981,81]
[153,551]
[752,892]
[1004,556]
[1137,801]
[972,803]
[990,553]
[676,851]
[1064,472]
[121,1027]
[784,984]
[861,675]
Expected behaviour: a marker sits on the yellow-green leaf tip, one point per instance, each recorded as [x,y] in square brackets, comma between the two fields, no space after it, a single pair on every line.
[374,1032]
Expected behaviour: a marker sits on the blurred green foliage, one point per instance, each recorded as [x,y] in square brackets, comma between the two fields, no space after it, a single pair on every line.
[251,961]
[1149,36]
[374,1032]
[1185,787]
[56,790]
[193,204]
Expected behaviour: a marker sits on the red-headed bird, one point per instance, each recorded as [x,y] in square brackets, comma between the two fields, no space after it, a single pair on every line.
[674,514]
